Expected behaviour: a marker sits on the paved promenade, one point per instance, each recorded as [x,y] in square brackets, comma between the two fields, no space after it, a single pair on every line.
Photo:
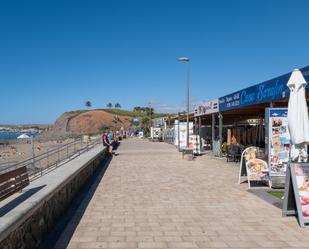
[150,198]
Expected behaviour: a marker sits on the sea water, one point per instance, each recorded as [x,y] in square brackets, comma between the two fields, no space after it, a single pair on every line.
[14,135]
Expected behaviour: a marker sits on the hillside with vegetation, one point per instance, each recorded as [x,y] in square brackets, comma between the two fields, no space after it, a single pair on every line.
[134,113]
[99,120]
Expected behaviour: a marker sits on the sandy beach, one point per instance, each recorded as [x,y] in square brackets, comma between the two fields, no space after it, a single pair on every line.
[13,153]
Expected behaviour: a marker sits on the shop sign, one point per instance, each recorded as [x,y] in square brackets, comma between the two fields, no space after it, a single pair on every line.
[264,92]
[254,121]
[260,93]
[207,108]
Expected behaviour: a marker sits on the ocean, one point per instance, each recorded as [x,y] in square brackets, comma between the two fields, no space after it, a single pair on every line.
[14,135]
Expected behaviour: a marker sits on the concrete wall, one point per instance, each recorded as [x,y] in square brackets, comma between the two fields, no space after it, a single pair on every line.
[45,200]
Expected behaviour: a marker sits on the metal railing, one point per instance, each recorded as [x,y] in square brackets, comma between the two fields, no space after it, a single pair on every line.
[7,164]
[50,160]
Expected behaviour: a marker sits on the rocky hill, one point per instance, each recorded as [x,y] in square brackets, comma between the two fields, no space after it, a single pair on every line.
[92,121]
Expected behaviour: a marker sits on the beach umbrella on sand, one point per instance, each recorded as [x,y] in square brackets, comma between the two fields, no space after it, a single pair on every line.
[298,113]
[23,136]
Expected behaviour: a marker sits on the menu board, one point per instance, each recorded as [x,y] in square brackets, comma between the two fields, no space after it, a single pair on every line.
[278,141]
[296,200]
[253,168]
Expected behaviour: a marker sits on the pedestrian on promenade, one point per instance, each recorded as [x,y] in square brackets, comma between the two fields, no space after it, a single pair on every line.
[107,143]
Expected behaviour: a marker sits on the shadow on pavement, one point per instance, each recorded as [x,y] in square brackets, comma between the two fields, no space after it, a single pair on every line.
[18,200]
[60,235]
[265,195]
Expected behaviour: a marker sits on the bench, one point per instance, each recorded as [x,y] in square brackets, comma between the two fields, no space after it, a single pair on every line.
[187,151]
[13,181]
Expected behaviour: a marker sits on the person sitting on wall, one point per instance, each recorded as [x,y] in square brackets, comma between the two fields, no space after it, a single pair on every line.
[107,143]
[110,137]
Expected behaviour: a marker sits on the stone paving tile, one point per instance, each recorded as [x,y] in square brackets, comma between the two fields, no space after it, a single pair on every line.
[150,197]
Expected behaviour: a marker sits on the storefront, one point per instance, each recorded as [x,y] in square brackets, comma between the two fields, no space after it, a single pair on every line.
[248,119]
[205,120]
[243,118]
[238,108]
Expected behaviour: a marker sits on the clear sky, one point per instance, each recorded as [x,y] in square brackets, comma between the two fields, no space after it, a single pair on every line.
[55,55]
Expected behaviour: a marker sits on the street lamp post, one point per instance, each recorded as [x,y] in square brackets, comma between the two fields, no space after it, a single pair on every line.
[150,120]
[186,60]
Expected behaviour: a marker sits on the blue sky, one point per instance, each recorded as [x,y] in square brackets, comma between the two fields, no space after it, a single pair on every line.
[55,55]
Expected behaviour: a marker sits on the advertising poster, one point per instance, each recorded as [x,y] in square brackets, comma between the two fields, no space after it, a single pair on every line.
[141,134]
[296,194]
[155,132]
[194,143]
[169,135]
[253,168]
[183,134]
[278,141]
[257,170]
[301,172]
[176,133]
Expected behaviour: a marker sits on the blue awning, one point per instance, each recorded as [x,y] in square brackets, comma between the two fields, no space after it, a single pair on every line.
[264,92]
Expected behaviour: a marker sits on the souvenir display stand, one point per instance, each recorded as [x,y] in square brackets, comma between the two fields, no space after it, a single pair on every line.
[277,140]
[296,193]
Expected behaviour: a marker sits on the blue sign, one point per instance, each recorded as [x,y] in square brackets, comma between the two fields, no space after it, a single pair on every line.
[280,112]
[267,91]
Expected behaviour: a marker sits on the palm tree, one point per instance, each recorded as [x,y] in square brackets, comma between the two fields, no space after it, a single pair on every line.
[137,109]
[117,105]
[109,105]
[88,104]
[149,111]
[145,124]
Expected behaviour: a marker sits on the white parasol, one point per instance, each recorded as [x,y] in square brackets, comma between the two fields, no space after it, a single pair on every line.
[23,136]
[298,112]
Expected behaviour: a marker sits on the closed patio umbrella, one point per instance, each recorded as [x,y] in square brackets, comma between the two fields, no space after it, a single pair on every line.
[298,112]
